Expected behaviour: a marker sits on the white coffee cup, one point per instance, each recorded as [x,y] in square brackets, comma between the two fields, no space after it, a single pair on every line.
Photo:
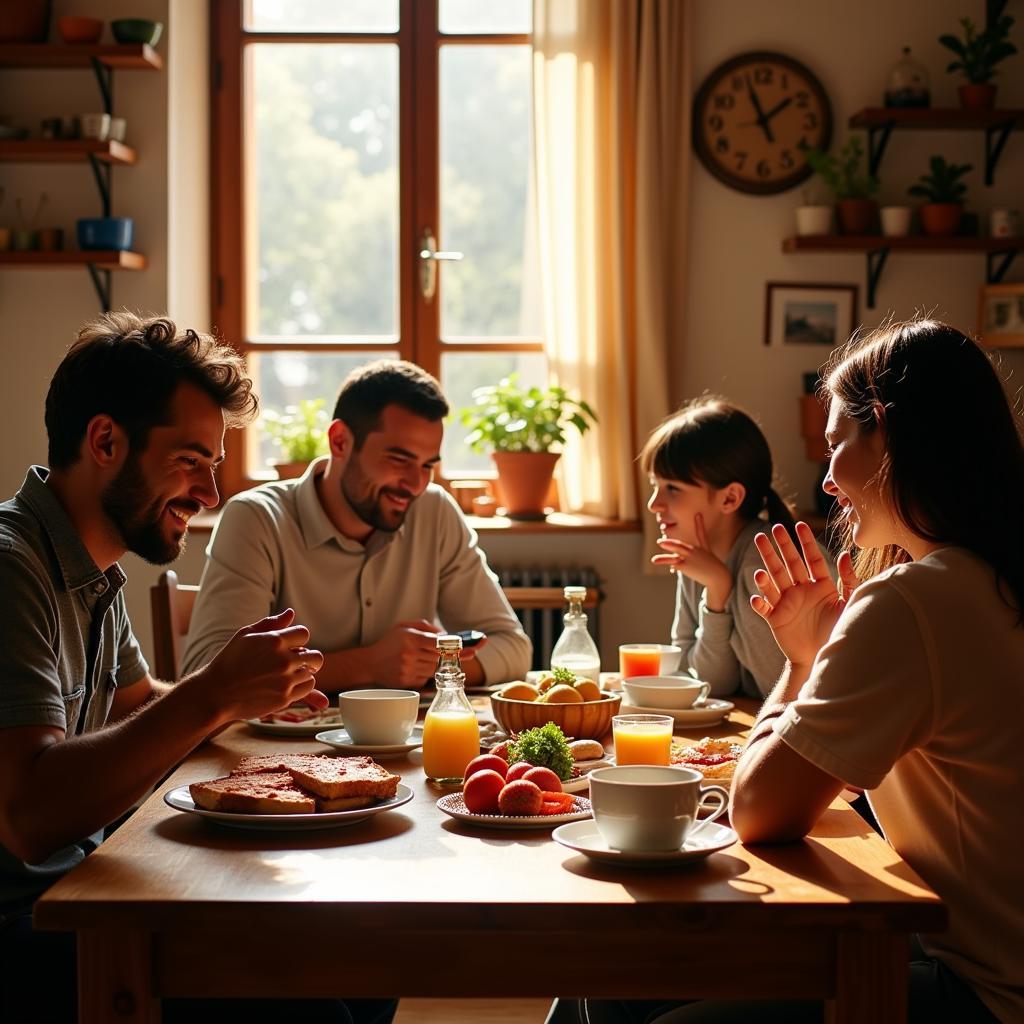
[118,128]
[645,808]
[379,717]
[895,220]
[95,126]
[671,693]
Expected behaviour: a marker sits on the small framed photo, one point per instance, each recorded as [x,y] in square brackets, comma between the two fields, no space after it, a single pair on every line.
[1001,315]
[809,314]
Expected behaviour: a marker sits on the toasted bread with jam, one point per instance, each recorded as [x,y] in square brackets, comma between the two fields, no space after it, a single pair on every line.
[253,794]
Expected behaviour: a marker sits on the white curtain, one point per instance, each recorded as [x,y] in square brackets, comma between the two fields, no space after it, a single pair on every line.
[611,122]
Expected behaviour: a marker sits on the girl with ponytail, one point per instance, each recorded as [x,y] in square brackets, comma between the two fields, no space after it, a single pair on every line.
[711,472]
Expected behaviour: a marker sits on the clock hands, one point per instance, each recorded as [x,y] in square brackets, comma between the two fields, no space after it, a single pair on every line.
[780,106]
[761,119]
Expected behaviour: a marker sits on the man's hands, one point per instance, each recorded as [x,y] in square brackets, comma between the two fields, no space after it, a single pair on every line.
[700,563]
[798,599]
[263,668]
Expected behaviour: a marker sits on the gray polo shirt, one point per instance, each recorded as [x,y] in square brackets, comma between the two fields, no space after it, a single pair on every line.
[274,548]
[66,644]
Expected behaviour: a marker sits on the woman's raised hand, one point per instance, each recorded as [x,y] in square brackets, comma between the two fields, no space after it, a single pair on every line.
[798,599]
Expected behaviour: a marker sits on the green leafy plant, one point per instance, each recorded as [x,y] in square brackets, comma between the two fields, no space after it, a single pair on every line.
[843,174]
[300,432]
[545,746]
[943,184]
[508,418]
[978,53]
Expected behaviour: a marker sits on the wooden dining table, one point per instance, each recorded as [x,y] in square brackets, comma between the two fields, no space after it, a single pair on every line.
[414,903]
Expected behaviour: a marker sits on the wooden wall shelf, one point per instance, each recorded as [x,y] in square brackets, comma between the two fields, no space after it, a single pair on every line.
[65,151]
[139,56]
[879,122]
[999,252]
[104,259]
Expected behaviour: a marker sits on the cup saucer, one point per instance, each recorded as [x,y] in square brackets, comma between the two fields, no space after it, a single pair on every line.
[583,837]
[710,712]
[342,742]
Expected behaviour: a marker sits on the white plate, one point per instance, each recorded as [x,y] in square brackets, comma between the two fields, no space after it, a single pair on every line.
[583,837]
[710,712]
[326,719]
[454,805]
[181,800]
[583,782]
[342,742]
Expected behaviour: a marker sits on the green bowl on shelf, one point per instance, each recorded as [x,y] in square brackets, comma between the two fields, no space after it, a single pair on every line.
[137,30]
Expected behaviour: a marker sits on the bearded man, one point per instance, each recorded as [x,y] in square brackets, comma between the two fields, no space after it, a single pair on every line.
[373,557]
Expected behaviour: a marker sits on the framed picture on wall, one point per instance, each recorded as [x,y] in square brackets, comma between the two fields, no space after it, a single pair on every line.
[1001,315]
[809,314]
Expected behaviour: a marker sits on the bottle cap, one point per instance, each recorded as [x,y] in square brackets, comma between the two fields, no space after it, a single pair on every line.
[575,593]
[449,642]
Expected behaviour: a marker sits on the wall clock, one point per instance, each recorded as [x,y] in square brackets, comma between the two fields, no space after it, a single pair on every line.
[754,116]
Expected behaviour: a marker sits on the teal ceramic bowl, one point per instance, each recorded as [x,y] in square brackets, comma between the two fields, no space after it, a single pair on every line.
[137,30]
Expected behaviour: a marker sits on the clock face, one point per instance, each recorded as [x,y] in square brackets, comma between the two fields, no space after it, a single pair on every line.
[753,118]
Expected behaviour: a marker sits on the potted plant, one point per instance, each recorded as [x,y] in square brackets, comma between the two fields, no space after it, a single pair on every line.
[300,432]
[851,185]
[519,426]
[945,192]
[977,55]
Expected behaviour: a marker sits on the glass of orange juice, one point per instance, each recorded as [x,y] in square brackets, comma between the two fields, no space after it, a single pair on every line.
[639,660]
[642,739]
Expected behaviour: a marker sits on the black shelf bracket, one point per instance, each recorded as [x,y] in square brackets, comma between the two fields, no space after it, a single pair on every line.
[105,80]
[101,172]
[995,138]
[876,260]
[878,139]
[997,264]
[101,282]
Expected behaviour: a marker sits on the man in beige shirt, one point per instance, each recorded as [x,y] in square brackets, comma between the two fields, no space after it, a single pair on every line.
[374,558]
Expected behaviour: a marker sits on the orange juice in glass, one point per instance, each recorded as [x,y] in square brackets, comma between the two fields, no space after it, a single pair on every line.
[451,739]
[642,739]
[639,660]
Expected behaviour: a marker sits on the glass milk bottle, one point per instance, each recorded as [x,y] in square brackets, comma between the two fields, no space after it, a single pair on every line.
[576,650]
[451,735]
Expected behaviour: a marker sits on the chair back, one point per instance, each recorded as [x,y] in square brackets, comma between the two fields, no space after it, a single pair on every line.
[171,604]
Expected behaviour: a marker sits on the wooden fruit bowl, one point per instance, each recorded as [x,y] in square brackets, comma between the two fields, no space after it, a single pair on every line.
[590,720]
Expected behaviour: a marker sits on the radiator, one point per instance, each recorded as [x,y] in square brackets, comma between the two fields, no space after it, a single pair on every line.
[544,625]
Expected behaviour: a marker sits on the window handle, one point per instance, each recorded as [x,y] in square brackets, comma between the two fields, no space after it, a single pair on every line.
[429,255]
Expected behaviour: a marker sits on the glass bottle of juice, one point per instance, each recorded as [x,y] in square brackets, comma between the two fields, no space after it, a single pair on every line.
[576,650]
[451,735]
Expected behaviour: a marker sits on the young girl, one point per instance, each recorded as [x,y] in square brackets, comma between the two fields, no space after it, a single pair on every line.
[711,470]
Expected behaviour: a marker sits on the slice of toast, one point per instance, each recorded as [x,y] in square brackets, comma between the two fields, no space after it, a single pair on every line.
[335,777]
[253,794]
[259,763]
[344,803]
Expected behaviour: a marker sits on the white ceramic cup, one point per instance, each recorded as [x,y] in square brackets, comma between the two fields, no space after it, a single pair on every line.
[645,808]
[671,693]
[1004,223]
[95,126]
[118,128]
[379,717]
[814,220]
[895,221]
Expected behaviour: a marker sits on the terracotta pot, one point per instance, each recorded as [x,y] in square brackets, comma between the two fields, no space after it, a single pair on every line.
[977,96]
[525,479]
[290,470]
[857,216]
[941,219]
[24,21]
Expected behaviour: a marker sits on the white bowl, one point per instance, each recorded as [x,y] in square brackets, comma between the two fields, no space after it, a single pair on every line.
[674,693]
[379,717]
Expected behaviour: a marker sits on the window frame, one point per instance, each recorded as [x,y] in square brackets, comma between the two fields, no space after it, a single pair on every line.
[419,43]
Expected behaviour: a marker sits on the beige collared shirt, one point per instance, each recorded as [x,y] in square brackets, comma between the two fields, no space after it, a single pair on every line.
[275,548]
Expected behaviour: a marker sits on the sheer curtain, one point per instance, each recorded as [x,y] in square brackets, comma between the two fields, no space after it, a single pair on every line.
[611,122]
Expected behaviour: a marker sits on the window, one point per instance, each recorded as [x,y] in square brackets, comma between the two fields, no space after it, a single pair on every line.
[373,198]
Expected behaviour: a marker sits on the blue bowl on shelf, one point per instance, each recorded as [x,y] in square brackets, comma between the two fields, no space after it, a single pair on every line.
[137,30]
[105,232]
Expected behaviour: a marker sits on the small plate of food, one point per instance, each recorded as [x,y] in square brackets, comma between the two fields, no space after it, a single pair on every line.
[293,792]
[342,742]
[297,720]
[570,808]
[714,759]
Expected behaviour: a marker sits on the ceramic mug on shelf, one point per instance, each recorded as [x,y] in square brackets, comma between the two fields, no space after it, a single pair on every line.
[1004,223]
[895,221]
[96,126]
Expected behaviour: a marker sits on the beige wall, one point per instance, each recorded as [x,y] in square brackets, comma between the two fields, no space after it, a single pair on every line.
[735,244]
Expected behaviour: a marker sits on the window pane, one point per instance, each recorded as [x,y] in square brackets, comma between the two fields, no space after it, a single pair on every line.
[326,190]
[322,16]
[487,202]
[283,378]
[462,372]
[464,16]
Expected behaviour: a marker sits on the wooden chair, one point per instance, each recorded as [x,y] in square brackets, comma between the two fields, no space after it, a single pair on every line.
[171,604]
